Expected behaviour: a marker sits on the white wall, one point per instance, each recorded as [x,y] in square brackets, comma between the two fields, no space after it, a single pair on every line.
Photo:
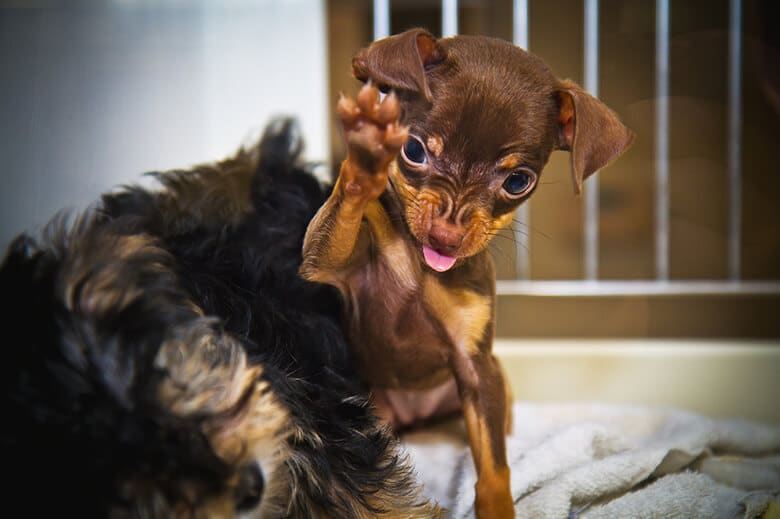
[92,97]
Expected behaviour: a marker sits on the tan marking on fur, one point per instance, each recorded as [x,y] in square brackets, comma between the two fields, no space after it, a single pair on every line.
[470,417]
[492,480]
[511,161]
[419,212]
[129,245]
[208,375]
[478,232]
[409,506]
[464,314]
[509,398]
[486,461]
[195,308]
[407,191]
[331,237]
[218,507]
[407,194]
[408,503]
[489,488]
[420,215]
[334,234]
[209,193]
[435,145]
[381,500]
[258,434]
[503,221]
[99,292]
[392,246]
[431,197]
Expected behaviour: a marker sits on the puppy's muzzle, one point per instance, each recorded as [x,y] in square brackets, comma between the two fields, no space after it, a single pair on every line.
[446,238]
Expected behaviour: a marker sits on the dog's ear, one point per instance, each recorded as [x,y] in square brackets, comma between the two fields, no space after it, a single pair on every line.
[399,61]
[589,130]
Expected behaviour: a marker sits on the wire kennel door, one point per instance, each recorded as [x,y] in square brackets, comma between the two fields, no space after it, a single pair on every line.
[523,283]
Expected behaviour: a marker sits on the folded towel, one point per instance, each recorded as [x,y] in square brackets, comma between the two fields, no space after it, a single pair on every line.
[590,461]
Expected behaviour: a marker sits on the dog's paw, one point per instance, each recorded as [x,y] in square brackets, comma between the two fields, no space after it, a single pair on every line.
[493,496]
[374,136]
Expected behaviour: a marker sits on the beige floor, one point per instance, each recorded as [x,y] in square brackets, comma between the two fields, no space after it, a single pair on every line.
[722,379]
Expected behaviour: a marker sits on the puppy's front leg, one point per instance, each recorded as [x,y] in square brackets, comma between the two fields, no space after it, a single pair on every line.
[373,137]
[484,400]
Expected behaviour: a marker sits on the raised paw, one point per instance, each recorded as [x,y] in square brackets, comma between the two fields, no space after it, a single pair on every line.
[374,136]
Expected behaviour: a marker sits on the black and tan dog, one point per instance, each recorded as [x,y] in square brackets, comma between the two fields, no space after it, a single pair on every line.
[403,237]
[162,358]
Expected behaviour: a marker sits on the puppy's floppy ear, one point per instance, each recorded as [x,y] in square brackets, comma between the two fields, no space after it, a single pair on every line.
[589,130]
[400,61]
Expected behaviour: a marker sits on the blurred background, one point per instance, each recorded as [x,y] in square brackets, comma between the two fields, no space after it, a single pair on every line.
[660,285]
[95,92]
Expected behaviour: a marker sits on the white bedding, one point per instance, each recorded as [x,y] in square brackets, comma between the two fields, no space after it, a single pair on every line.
[604,461]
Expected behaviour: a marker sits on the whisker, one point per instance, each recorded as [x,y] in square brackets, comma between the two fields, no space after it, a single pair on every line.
[501,254]
[502,236]
[520,232]
[531,228]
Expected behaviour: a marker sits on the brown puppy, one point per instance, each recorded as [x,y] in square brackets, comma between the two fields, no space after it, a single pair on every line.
[404,237]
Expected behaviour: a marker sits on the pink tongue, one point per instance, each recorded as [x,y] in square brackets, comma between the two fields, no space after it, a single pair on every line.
[438,262]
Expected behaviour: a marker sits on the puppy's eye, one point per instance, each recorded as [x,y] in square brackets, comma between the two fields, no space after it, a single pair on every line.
[519,182]
[413,151]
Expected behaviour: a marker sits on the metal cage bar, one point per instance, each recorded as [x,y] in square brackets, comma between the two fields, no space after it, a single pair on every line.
[449,17]
[381,19]
[662,139]
[591,81]
[735,139]
[522,226]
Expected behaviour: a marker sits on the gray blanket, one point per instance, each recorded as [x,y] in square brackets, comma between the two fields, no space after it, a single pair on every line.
[603,461]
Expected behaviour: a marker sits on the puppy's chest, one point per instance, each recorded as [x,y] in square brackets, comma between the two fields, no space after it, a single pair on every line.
[410,305]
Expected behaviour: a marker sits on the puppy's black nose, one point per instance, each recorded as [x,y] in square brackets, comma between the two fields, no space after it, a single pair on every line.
[250,487]
[445,238]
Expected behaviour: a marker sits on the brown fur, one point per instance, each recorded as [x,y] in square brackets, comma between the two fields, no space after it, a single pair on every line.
[485,110]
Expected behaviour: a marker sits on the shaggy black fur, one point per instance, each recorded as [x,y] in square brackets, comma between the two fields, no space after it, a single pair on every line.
[84,319]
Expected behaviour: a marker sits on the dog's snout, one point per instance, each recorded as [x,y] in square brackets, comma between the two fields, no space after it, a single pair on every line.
[445,237]
[250,487]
